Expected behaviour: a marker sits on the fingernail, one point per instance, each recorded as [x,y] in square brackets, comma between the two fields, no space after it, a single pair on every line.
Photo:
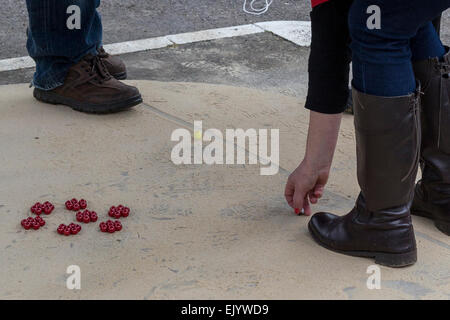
[297,211]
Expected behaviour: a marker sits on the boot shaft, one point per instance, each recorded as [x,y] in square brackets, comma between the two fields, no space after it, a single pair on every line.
[388,143]
[434,77]
[432,195]
[388,139]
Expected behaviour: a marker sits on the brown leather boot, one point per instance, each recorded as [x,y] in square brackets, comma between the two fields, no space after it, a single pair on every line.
[90,88]
[115,65]
[387,143]
[432,196]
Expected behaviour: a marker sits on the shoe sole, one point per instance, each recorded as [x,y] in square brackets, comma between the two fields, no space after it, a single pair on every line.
[52,98]
[120,76]
[442,226]
[393,260]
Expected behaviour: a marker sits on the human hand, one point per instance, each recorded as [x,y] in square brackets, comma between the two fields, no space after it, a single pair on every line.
[305,185]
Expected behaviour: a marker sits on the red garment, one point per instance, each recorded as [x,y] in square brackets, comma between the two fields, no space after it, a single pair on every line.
[317,2]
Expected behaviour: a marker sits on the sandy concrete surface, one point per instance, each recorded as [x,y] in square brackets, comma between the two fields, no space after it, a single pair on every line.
[195,231]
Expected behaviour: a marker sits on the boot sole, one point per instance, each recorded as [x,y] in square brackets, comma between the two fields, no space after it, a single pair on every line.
[442,226]
[393,260]
[118,106]
[120,76]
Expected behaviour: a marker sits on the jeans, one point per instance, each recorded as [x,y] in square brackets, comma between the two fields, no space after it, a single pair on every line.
[382,58]
[52,45]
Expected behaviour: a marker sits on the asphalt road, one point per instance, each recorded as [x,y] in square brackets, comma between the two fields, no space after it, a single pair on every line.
[261,61]
[137,19]
[125,20]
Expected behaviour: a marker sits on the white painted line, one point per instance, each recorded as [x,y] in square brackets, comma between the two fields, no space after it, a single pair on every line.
[138,45]
[214,34]
[16,63]
[298,32]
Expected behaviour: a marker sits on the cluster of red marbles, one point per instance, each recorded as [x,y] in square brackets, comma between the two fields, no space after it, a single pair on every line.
[110,226]
[75,205]
[46,207]
[32,223]
[119,211]
[70,229]
[87,216]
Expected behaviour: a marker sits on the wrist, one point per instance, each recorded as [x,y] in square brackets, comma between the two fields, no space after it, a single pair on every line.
[313,163]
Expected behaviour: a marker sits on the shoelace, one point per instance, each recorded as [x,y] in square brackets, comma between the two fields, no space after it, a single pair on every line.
[102,53]
[98,69]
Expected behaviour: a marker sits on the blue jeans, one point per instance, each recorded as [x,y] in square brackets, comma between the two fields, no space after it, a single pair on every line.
[382,58]
[52,45]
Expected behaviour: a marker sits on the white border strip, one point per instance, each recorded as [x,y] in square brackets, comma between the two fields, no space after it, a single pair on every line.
[213,34]
[16,64]
[298,32]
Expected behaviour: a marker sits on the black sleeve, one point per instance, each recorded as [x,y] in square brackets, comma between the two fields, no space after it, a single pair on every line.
[330,57]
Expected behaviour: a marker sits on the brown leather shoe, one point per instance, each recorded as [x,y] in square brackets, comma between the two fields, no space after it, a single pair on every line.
[115,65]
[90,88]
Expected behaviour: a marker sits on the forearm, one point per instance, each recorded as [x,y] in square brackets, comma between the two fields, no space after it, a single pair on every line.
[322,139]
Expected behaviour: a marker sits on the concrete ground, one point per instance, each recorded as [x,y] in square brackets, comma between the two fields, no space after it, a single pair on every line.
[195,231]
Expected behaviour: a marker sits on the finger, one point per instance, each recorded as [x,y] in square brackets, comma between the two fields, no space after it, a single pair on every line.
[318,191]
[306,207]
[299,197]
[290,201]
[312,198]
[289,194]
